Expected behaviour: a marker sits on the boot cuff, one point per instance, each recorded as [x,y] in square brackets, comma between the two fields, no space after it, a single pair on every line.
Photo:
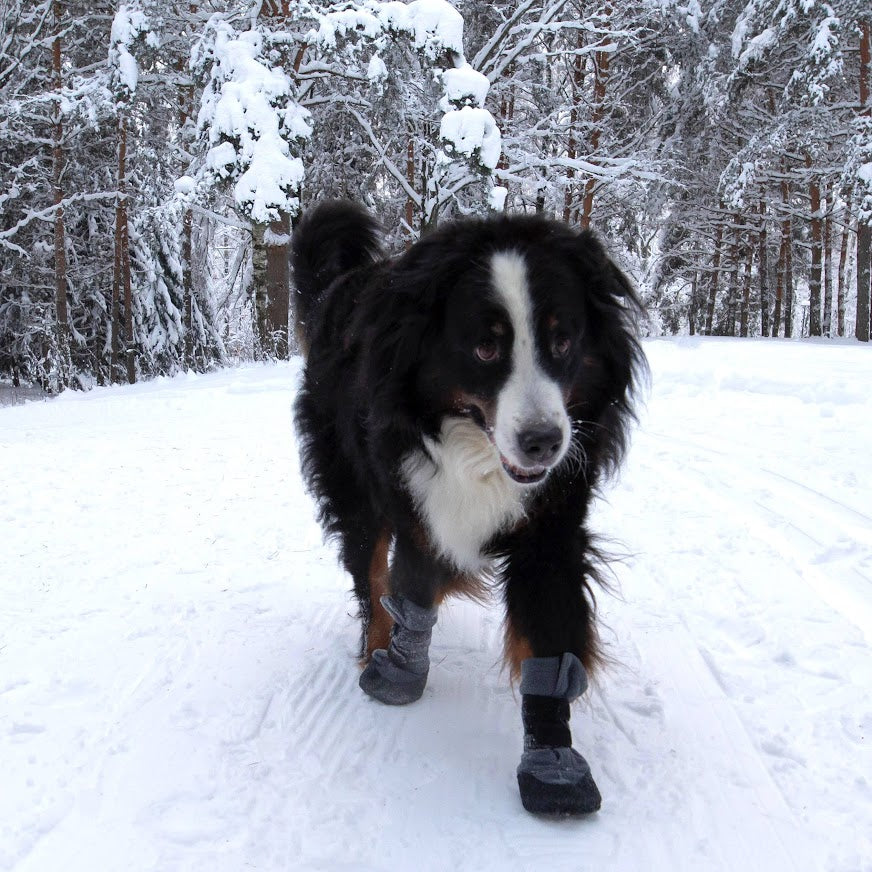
[409,615]
[562,676]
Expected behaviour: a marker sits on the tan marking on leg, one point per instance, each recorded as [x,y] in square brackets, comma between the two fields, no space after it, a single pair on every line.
[517,649]
[472,587]
[378,633]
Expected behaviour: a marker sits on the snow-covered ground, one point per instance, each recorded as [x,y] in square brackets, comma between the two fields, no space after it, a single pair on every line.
[177,672]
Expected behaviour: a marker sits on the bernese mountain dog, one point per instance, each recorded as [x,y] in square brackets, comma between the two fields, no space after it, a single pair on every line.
[459,405]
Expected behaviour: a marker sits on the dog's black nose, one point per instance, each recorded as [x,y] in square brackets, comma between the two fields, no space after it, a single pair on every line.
[540,445]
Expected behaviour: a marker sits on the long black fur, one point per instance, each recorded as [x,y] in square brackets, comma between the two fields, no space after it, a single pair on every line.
[339,237]
[381,375]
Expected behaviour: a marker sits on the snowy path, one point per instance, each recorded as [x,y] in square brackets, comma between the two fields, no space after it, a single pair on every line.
[177,679]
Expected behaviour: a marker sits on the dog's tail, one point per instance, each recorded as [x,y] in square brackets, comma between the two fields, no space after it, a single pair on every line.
[333,238]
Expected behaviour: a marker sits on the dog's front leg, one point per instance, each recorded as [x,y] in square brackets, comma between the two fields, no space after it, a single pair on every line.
[398,675]
[549,631]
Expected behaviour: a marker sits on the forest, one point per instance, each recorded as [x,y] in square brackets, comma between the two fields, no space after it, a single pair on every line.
[154,157]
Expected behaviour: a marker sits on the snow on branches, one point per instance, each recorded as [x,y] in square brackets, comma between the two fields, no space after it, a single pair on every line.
[811,25]
[469,139]
[434,26]
[253,124]
[130,30]
[256,129]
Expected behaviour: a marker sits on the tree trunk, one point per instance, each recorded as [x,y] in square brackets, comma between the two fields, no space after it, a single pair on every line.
[507,115]
[278,280]
[827,326]
[864,280]
[779,284]
[572,145]
[694,307]
[864,228]
[64,365]
[121,270]
[125,250]
[746,293]
[118,259]
[814,278]
[729,325]
[763,272]
[713,286]
[788,281]
[602,60]
[410,178]
[842,277]
[261,298]
[188,286]
[786,257]
[186,110]
[271,278]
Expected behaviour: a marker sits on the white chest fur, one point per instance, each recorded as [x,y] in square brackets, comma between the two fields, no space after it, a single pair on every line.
[462,492]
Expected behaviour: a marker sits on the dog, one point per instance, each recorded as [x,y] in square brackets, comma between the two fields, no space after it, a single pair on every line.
[459,405]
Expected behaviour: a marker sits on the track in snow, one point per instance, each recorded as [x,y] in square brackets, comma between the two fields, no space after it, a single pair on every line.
[177,673]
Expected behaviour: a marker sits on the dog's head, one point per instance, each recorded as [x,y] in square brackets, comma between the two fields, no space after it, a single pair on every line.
[522,326]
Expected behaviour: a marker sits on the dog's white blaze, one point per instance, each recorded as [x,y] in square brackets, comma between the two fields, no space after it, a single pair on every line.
[462,493]
[530,397]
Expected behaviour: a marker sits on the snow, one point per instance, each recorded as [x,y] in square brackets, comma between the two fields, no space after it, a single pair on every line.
[825,40]
[758,46]
[185,185]
[128,25]
[496,199]
[437,27]
[464,85]
[376,71]
[434,25]
[252,119]
[469,131]
[178,682]
[345,21]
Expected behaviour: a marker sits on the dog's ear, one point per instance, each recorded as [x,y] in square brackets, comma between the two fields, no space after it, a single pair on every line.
[612,312]
[398,321]
[603,276]
[408,308]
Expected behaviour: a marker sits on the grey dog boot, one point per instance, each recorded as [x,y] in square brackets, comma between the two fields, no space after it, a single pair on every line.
[398,676]
[553,777]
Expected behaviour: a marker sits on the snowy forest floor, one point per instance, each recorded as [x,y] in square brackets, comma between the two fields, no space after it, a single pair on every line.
[177,672]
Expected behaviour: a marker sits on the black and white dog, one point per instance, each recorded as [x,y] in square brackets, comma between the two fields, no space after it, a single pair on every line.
[459,405]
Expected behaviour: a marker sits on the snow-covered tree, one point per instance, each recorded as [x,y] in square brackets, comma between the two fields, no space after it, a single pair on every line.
[255,130]
[423,139]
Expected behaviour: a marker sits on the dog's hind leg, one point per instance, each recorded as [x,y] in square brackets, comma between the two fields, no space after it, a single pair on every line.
[364,551]
[377,622]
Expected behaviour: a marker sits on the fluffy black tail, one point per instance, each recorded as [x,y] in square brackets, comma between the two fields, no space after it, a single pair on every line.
[331,239]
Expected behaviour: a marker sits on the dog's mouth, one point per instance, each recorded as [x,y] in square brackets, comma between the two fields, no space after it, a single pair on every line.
[519,474]
[523,476]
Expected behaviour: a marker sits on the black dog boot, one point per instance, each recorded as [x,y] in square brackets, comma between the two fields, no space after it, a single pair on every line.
[553,777]
[398,676]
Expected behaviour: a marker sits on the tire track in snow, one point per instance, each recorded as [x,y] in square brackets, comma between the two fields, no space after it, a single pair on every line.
[744,808]
[818,525]
[766,638]
[323,712]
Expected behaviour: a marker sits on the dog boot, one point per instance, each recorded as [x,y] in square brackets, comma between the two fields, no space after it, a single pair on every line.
[398,676]
[553,777]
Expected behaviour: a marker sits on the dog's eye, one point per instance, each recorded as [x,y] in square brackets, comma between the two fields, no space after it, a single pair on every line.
[560,345]
[487,351]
